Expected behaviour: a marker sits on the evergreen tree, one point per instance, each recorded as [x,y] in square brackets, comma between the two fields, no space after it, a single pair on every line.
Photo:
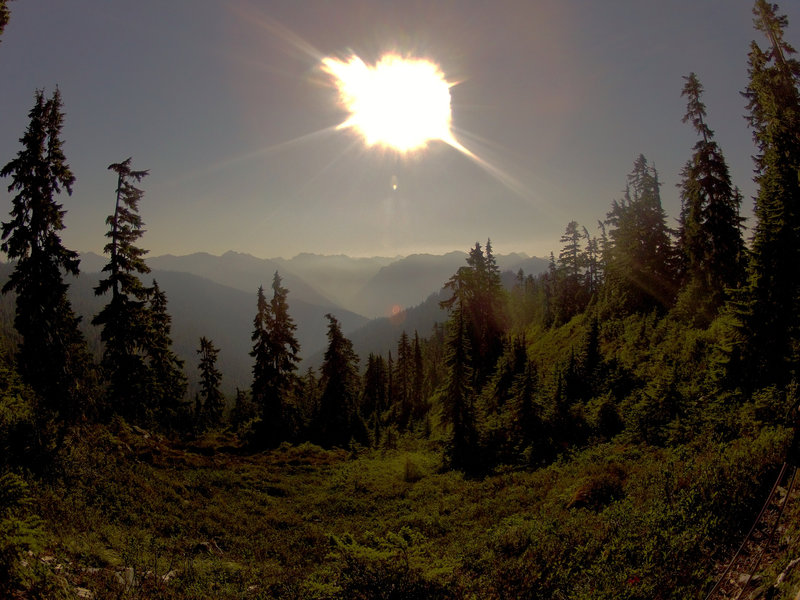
[771,315]
[308,404]
[710,237]
[418,407]
[374,397]
[594,267]
[640,264]
[392,394]
[571,289]
[275,349]
[52,354]
[167,379]
[338,421]
[260,388]
[5,14]
[210,400]
[479,291]
[125,319]
[527,429]
[243,410]
[458,400]
[403,380]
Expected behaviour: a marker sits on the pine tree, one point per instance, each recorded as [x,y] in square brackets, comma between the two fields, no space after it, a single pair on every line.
[243,410]
[640,264]
[210,399]
[572,292]
[167,382]
[52,355]
[484,302]
[457,402]
[374,398]
[594,268]
[709,238]
[770,313]
[5,14]
[285,348]
[261,388]
[403,380]
[418,408]
[338,420]
[125,319]
[275,349]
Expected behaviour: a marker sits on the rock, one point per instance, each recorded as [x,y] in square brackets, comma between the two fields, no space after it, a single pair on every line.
[169,576]
[207,548]
[84,593]
[126,577]
[141,431]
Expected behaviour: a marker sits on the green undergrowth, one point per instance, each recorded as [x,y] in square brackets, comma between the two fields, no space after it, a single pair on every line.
[132,515]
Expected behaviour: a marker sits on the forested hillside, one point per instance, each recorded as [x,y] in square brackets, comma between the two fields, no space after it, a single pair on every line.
[608,428]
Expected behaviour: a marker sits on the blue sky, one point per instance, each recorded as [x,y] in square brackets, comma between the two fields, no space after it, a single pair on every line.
[224,102]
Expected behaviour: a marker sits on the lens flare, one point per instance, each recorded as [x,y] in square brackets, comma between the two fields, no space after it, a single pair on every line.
[399,103]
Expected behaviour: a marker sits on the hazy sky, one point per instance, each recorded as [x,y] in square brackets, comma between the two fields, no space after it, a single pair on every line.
[224,102]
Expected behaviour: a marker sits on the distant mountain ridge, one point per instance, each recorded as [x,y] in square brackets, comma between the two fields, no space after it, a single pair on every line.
[215,296]
[372,287]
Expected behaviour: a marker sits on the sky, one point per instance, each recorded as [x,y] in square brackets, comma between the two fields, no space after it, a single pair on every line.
[226,104]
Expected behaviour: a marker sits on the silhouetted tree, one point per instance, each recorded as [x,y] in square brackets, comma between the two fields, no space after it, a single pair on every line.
[52,354]
[125,319]
[418,407]
[285,347]
[5,14]
[771,314]
[261,391]
[167,381]
[710,239]
[275,350]
[483,301]
[211,399]
[640,264]
[374,398]
[572,293]
[403,380]
[243,410]
[338,421]
[594,263]
[458,396]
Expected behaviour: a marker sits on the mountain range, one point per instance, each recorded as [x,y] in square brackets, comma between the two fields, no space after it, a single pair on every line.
[374,299]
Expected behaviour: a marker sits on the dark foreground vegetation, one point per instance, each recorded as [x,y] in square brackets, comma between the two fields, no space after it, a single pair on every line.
[605,430]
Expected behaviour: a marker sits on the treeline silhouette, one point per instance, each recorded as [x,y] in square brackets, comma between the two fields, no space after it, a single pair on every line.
[637,328]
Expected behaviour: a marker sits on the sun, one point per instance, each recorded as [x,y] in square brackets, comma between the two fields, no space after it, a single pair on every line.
[399,103]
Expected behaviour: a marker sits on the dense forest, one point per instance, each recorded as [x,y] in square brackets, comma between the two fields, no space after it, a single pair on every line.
[606,429]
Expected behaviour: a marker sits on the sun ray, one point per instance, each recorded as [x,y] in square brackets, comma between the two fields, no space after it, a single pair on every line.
[235,159]
[400,103]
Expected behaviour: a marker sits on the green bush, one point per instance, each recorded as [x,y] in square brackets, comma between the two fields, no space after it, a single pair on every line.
[21,533]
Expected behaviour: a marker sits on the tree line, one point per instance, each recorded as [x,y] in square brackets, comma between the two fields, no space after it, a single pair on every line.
[481,383]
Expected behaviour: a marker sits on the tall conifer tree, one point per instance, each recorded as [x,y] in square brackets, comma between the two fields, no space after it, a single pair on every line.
[771,316]
[338,421]
[403,380]
[276,353]
[125,319]
[374,397]
[640,263]
[167,379]
[458,409]
[710,238]
[211,398]
[52,356]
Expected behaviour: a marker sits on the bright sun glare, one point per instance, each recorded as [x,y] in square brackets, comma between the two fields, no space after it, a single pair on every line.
[399,103]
